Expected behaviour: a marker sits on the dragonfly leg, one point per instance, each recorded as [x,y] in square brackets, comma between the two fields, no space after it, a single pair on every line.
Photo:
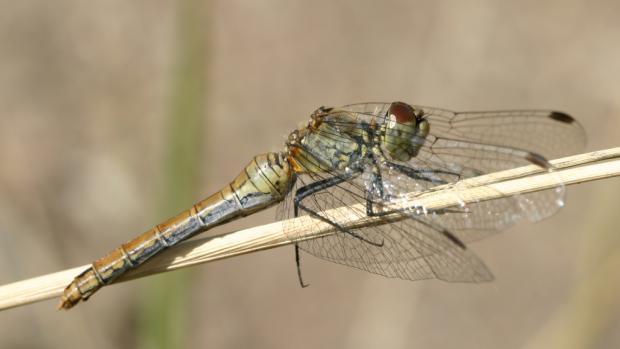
[308,190]
[312,188]
[297,261]
[423,174]
[300,195]
[377,182]
[317,186]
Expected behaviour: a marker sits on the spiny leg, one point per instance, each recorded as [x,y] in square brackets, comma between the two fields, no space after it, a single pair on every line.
[423,174]
[300,194]
[297,262]
[312,188]
[317,186]
[376,180]
[338,227]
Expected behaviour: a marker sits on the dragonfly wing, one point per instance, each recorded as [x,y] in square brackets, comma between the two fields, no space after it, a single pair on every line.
[544,132]
[429,244]
[461,145]
[548,133]
[413,248]
[475,143]
[469,222]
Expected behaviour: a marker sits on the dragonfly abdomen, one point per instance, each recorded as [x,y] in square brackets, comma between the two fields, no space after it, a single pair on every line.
[262,183]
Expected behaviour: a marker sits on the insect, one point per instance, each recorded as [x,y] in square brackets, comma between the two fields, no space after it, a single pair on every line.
[373,154]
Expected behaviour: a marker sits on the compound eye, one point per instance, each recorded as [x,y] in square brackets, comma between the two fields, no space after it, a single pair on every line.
[401,112]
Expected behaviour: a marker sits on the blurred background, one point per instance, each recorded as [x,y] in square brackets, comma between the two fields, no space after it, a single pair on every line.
[115,115]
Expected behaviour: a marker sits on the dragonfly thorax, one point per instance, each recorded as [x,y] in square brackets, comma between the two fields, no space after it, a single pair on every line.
[327,144]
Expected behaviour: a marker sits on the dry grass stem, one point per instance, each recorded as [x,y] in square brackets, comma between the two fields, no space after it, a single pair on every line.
[568,170]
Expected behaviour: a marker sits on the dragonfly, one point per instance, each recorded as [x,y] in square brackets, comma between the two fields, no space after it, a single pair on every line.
[374,154]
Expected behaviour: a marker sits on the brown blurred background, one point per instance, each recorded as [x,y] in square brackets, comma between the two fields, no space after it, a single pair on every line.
[115,115]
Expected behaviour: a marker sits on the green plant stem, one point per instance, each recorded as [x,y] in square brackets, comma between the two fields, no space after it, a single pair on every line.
[164,314]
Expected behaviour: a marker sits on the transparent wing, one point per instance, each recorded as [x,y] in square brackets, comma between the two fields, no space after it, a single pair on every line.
[413,248]
[492,140]
[459,145]
[475,143]
[545,132]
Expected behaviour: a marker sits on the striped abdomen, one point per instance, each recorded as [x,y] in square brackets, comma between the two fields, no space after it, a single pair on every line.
[264,182]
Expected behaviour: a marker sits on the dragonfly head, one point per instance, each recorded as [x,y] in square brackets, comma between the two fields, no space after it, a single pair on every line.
[404,131]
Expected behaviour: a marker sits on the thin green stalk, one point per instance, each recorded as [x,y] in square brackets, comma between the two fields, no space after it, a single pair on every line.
[164,314]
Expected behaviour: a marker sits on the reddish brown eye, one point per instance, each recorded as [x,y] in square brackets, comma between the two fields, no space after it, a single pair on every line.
[402,112]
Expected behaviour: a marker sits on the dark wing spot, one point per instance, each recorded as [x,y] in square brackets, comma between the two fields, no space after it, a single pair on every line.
[454,239]
[539,160]
[561,117]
